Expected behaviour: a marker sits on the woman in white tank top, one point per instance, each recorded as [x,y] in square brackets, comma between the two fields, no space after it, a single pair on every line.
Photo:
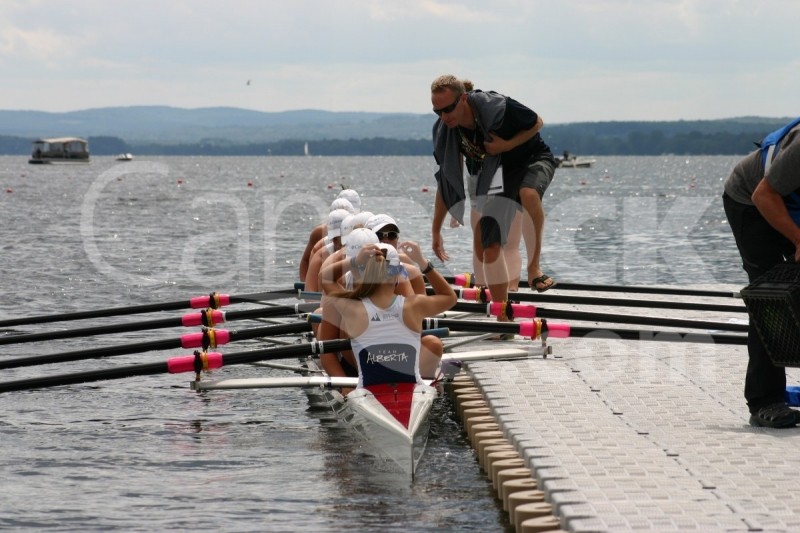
[384,328]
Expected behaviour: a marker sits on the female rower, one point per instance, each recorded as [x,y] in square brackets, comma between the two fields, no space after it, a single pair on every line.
[385,327]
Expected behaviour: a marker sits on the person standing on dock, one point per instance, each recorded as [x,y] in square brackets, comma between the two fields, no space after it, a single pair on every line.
[762,207]
[496,139]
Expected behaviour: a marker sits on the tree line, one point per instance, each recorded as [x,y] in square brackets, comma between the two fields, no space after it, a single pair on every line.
[578,139]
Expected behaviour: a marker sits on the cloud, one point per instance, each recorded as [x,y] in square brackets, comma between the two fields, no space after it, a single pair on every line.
[571,61]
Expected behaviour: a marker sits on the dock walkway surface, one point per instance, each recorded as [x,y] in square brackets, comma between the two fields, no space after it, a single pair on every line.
[638,435]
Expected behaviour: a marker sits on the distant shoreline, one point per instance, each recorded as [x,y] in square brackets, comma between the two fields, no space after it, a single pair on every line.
[160,130]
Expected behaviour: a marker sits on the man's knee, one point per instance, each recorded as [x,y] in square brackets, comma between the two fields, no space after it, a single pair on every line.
[530,196]
[491,252]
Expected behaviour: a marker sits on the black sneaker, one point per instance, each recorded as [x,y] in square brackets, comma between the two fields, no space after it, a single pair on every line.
[776,415]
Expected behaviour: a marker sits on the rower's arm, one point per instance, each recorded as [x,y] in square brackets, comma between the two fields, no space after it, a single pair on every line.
[332,270]
[329,330]
[444,297]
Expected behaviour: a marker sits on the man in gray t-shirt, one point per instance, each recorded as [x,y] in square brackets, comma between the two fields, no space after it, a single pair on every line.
[764,215]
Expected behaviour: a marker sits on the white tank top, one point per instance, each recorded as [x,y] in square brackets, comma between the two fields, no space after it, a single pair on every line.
[387,351]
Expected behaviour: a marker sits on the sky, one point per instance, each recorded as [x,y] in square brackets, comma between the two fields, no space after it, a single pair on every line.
[568,60]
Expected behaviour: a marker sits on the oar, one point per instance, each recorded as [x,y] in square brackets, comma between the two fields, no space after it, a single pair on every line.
[208,318]
[541,328]
[195,363]
[466,280]
[213,300]
[548,329]
[531,311]
[482,295]
[204,339]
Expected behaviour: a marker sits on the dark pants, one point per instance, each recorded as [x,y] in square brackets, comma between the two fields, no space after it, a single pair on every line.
[761,248]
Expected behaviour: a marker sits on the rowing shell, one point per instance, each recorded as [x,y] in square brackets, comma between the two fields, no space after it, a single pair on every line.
[392,418]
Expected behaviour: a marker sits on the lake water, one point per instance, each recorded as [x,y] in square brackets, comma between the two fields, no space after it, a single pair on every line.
[148,454]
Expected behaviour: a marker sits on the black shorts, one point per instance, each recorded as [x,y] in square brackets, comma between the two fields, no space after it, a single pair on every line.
[498,212]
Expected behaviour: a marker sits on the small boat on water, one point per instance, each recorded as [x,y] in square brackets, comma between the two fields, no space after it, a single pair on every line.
[576,162]
[125,157]
[59,150]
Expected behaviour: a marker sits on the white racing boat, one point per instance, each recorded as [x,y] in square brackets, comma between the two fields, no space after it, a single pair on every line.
[393,419]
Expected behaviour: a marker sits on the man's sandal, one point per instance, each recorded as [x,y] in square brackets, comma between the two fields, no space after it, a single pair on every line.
[543,280]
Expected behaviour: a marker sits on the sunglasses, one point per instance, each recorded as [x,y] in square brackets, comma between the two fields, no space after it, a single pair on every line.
[448,109]
[388,235]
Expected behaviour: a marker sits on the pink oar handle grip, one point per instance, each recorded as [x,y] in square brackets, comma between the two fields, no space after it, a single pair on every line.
[185,363]
[518,310]
[196,319]
[214,301]
[474,294]
[555,330]
[195,340]
[528,329]
[466,280]
[558,330]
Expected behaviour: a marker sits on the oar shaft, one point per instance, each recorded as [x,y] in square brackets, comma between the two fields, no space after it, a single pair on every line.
[186,341]
[77,355]
[145,308]
[192,319]
[84,377]
[464,280]
[267,312]
[473,294]
[89,332]
[540,312]
[655,335]
[634,289]
[570,331]
[297,350]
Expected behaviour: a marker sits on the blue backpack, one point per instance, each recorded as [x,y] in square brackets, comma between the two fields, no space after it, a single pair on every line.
[771,144]
[769,147]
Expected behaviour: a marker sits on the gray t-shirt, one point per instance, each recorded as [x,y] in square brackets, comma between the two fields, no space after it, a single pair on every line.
[784,174]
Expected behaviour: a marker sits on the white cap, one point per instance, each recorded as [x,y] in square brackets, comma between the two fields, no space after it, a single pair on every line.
[358,238]
[378,222]
[396,268]
[391,254]
[362,217]
[335,219]
[352,222]
[347,225]
[342,203]
[351,196]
